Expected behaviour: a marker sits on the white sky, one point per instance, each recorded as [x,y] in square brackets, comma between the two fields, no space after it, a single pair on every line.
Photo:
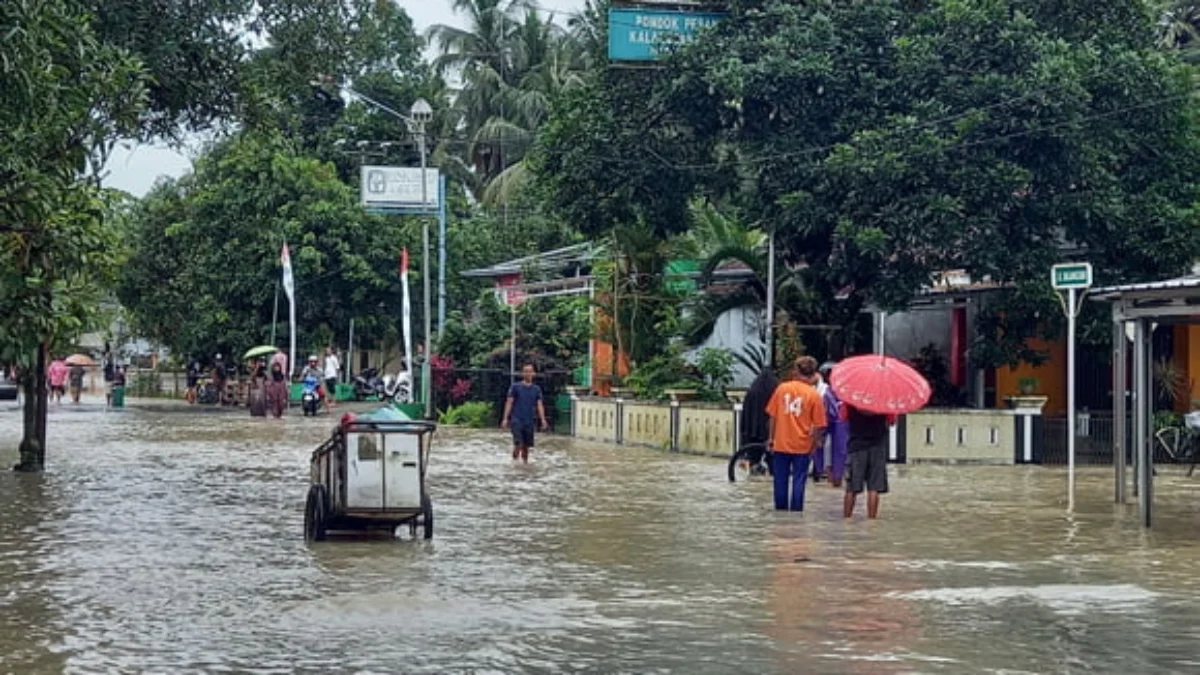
[135,168]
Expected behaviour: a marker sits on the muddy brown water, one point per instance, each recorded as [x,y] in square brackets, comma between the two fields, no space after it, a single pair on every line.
[170,542]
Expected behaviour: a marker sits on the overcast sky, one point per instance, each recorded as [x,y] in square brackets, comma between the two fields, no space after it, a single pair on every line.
[134,169]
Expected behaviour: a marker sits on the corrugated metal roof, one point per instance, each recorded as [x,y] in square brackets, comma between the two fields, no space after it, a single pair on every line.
[1180,283]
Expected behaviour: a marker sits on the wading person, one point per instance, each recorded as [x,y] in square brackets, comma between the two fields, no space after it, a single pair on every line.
[57,374]
[332,368]
[524,399]
[837,432]
[258,389]
[277,390]
[868,448]
[76,377]
[797,420]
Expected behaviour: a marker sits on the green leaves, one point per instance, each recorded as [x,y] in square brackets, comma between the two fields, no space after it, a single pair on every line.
[204,274]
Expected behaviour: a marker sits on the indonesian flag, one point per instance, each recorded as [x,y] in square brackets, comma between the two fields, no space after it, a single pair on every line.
[288,282]
[406,311]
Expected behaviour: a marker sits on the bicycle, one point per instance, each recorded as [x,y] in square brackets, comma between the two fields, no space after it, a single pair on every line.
[752,459]
[1182,443]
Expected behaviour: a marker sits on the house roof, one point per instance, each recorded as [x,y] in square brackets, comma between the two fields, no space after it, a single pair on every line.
[560,257]
[1185,283]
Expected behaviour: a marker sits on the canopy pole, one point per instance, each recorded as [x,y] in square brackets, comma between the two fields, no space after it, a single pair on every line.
[771,298]
[512,347]
[1140,419]
[1120,388]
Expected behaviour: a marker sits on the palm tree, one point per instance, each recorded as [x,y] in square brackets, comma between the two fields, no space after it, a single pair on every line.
[1179,28]
[512,63]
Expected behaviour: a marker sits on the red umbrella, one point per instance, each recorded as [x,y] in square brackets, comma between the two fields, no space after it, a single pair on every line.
[879,384]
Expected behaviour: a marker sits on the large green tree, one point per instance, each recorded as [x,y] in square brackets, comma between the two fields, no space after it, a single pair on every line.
[887,141]
[203,278]
[67,95]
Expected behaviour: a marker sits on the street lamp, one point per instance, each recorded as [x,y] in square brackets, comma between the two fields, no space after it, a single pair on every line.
[419,115]
[422,113]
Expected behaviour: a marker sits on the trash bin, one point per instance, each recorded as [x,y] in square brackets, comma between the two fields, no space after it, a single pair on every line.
[118,397]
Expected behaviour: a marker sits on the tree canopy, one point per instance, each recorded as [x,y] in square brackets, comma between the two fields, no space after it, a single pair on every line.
[888,141]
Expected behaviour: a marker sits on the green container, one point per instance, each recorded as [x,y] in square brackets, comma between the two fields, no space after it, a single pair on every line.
[562,403]
[415,411]
[118,397]
[296,391]
[344,392]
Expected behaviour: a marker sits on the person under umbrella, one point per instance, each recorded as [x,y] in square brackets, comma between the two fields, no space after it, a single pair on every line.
[875,389]
[868,446]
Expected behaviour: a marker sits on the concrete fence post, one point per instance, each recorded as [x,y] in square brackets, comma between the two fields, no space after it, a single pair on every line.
[676,429]
[620,421]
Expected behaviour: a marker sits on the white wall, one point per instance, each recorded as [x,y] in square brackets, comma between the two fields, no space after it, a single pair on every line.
[908,332]
[734,330]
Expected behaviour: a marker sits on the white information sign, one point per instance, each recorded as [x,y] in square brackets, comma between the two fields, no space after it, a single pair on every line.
[398,186]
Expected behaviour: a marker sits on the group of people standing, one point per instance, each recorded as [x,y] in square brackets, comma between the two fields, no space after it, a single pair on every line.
[64,378]
[269,391]
[804,418]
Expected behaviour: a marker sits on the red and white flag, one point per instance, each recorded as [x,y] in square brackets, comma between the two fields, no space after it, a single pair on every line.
[289,286]
[406,312]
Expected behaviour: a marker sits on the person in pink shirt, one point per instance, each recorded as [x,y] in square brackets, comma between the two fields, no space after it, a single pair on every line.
[57,373]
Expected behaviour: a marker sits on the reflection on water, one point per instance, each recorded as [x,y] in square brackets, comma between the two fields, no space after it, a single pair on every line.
[171,541]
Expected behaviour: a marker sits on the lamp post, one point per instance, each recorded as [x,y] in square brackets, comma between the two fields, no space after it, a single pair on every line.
[419,115]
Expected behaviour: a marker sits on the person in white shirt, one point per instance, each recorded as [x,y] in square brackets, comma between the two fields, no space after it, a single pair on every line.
[332,368]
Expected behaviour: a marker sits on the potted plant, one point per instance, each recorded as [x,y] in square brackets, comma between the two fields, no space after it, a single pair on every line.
[1028,398]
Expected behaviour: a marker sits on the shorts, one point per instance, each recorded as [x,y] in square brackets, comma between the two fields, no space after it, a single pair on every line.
[57,389]
[108,386]
[330,386]
[522,433]
[868,469]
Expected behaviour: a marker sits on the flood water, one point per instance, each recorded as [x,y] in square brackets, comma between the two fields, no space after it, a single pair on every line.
[171,542]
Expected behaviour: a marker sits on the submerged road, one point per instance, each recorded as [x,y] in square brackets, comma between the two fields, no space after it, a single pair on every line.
[171,542]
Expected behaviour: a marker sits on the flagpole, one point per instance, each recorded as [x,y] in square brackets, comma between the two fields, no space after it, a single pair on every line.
[275,313]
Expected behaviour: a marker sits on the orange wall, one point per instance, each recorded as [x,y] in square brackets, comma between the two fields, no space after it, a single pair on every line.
[602,361]
[1190,358]
[1051,375]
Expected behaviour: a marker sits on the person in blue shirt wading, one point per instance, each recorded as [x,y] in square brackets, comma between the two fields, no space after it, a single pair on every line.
[524,398]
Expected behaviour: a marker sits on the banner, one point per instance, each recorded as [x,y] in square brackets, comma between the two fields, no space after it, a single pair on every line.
[289,287]
[398,187]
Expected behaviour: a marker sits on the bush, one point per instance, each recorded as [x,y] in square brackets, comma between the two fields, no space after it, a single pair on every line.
[473,414]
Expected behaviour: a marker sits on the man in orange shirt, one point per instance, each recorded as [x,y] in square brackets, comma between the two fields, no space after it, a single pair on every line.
[797,422]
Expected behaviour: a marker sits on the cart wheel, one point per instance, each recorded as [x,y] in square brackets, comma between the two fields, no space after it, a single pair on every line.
[315,514]
[427,516]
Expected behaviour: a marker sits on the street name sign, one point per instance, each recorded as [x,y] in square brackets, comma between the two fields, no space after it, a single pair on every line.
[397,186]
[1066,276]
[639,34]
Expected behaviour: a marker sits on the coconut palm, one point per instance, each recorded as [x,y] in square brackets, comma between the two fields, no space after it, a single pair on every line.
[512,63]
[1179,28]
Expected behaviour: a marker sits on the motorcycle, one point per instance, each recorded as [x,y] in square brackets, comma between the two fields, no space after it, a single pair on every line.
[398,387]
[367,384]
[310,400]
[752,459]
[206,392]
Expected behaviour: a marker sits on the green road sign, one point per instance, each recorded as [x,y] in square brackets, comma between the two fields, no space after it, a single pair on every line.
[1071,275]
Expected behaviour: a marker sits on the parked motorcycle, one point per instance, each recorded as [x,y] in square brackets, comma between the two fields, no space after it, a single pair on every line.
[398,387]
[310,399]
[367,384]
[206,392]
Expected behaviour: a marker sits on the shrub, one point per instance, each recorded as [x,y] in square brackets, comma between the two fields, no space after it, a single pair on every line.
[473,414]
